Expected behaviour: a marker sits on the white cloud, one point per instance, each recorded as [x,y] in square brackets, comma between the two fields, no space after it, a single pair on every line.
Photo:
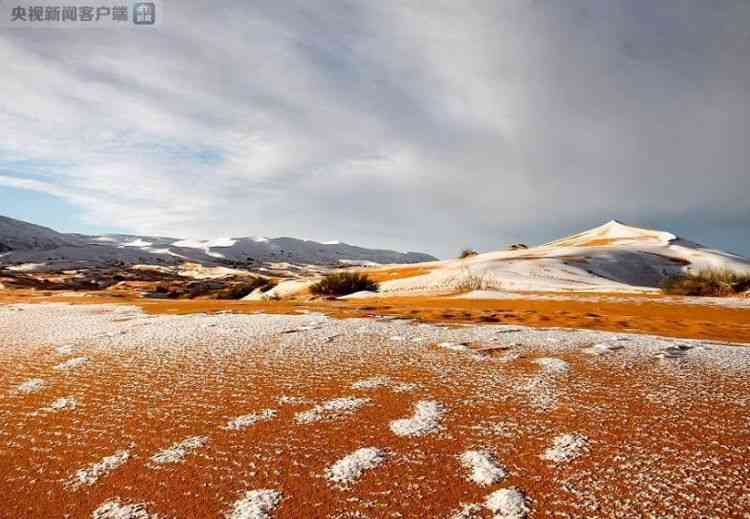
[407,125]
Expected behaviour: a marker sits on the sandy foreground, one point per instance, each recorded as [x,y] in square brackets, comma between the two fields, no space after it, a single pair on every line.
[109,412]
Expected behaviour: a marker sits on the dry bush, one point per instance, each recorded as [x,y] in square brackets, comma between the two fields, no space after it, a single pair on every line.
[468,281]
[707,282]
[241,290]
[343,283]
[467,253]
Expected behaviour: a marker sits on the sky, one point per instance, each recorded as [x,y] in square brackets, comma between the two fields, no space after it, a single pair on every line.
[412,125]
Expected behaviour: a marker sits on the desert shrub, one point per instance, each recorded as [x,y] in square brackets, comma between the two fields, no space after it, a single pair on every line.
[343,283]
[467,253]
[240,290]
[707,282]
[468,281]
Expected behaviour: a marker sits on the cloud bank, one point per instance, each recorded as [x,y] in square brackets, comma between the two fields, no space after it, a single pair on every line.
[413,125]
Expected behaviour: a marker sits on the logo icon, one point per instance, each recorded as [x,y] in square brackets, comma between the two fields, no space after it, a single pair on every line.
[144,13]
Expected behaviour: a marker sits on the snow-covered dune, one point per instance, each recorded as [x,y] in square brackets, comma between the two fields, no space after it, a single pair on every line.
[612,257]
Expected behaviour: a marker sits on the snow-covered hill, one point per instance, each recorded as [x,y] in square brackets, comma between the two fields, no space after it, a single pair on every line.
[21,242]
[18,235]
[612,257]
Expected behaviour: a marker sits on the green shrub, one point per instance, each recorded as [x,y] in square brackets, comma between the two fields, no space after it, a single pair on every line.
[343,283]
[707,282]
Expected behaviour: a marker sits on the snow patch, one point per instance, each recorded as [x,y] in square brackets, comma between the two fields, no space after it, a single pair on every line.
[351,467]
[137,243]
[566,447]
[30,386]
[91,474]
[603,348]
[64,350]
[256,504]
[381,381]
[242,422]
[72,363]
[292,400]
[331,409]
[426,419]
[552,364]
[508,503]
[114,509]
[61,404]
[372,383]
[178,451]
[467,511]
[484,469]
[453,346]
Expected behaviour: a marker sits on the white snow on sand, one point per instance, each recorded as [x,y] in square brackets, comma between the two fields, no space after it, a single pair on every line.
[92,473]
[178,451]
[566,447]
[256,504]
[603,348]
[508,503]
[242,422]
[72,363]
[64,350]
[292,400]
[137,243]
[426,420]
[27,267]
[468,511]
[552,364]
[351,467]
[453,346]
[483,469]
[331,409]
[61,404]
[30,386]
[115,509]
[610,258]
[372,383]
[381,381]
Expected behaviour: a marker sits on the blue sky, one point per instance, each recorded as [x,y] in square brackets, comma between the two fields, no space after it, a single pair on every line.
[406,125]
[47,210]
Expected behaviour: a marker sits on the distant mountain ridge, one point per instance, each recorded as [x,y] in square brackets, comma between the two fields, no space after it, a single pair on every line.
[23,242]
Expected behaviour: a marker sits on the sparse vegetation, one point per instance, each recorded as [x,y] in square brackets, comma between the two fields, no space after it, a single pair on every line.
[241,290]
[707,282]
[343,283]
[467,253]
[468,281]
